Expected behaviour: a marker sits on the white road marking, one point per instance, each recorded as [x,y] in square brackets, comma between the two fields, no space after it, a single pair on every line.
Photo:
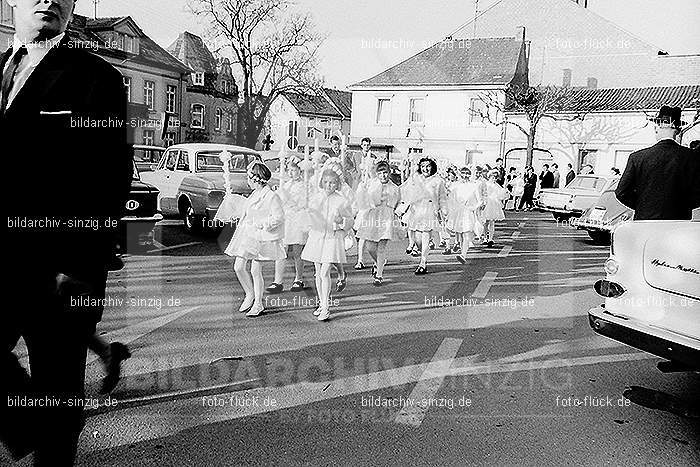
[176,394]
[164,419]
[482,289]
[554,348]
[505,251]
[495,367]
[161,247]
[426,388]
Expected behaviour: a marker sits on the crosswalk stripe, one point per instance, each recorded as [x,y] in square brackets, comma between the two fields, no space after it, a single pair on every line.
[426,388]
[482,289]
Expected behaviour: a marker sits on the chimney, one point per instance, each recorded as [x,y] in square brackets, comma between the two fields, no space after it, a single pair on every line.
[592,83]
[520,33]
[566,78]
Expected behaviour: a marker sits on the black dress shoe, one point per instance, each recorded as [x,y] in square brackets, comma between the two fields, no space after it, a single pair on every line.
[274,288]
[420,271]
[297,286]
[119,353]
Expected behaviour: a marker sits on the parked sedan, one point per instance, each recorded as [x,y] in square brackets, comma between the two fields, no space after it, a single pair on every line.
[604,215]
[652,291]
[141,215]
[576,197]
[190,178]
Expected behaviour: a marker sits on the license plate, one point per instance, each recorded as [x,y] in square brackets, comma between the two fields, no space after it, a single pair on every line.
[597,214]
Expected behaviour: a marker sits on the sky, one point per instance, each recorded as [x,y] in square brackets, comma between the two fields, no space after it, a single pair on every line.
[347,55]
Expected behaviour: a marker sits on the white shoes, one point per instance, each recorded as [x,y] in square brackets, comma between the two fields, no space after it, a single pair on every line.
[324,315]
[317,311]
[247,304]
[256,310]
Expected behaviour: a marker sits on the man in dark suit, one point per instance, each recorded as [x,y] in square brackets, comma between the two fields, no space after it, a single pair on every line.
[68,167]
[660,182]
[546,177]
[570,174]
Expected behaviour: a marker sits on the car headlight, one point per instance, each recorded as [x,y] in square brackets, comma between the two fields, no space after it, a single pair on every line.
[611,266]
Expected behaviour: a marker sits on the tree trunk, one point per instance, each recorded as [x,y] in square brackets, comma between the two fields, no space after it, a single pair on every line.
[530,148]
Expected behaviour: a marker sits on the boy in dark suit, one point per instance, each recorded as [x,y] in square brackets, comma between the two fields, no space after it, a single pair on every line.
[63,123]
[660,182]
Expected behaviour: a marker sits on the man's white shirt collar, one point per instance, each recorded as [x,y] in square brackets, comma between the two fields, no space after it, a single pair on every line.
[36,51]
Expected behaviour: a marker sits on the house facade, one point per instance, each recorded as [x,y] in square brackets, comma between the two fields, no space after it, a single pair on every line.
[7,25]
[427,104]
[611,124]
[153,78]
[298,120]
[210,99]
[573,46]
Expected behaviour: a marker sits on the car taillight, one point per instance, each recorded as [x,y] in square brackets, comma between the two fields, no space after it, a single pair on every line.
[611,266]
[608,289]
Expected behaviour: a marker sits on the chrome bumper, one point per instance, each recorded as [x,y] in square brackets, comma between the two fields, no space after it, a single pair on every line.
[642,336]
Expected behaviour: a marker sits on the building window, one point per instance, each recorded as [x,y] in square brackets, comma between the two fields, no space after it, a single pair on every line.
[149,137]
[169,139]
[171,98]
[383,115]
[127,85]
[293,135]
[148,93]
[197,116]
[477,112]
[327,133]
[229,123]
[415,110]
[226,86]
[310,130]
[6,14]
[198,79]
[218,116]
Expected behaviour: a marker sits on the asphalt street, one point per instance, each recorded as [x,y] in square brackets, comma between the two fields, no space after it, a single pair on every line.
[488,363]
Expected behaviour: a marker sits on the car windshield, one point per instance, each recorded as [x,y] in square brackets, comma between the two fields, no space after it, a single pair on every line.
[151,155]
[588,183]
[208,161]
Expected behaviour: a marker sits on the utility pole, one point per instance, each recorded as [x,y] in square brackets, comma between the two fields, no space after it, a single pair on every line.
[476,15]
[95,2]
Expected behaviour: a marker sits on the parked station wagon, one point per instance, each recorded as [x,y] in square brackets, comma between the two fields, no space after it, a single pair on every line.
[652,291]
[604,215]
[190,179]
[574,198]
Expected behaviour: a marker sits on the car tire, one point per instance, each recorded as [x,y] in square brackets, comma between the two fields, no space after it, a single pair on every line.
[601,238]
[193,223]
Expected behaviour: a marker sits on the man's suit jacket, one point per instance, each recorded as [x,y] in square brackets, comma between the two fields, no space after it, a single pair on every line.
[56,168]
[661,182]
[546,179]
[570,175]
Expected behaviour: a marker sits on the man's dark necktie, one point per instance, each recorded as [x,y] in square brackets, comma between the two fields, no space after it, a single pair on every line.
[8,78]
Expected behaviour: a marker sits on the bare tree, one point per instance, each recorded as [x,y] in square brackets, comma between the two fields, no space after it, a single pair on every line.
[274,49]
[535,103]
[589,129]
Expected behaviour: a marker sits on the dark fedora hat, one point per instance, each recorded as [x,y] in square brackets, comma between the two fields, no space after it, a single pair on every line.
[669,116]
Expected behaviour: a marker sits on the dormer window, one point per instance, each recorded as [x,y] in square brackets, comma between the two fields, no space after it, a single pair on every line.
[198,79]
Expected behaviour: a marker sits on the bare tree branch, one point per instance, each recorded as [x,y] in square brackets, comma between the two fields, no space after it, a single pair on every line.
[273,50]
